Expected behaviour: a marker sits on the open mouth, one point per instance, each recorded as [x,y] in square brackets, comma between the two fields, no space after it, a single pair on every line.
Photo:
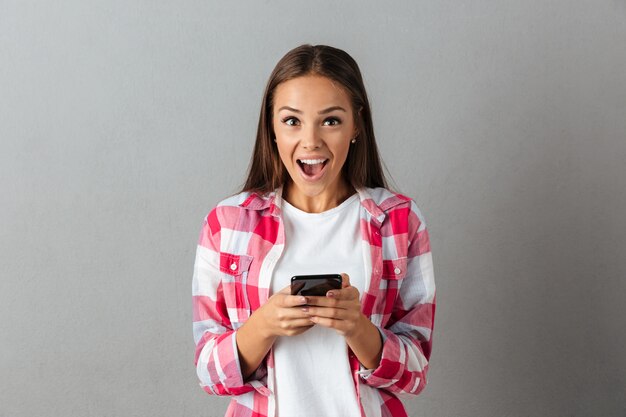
[312,168]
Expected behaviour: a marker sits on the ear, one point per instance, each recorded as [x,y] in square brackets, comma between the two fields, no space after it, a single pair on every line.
[356,129]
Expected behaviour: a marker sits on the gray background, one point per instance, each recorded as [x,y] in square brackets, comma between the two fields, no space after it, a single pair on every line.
[123,123]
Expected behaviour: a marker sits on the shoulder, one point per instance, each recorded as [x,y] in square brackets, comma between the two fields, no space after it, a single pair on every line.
[233,200]
[396,206]
[386,199]
[229,210]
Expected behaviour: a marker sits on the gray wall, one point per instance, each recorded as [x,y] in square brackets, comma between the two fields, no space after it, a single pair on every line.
[122,123]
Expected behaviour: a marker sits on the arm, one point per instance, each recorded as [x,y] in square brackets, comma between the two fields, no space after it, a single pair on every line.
[252,345]
[394,358]
[228,361]
[281,315]
[216,358]
[366,343]
[407,337]
[341,311]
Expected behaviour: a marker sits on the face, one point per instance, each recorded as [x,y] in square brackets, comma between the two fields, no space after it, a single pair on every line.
[314,125]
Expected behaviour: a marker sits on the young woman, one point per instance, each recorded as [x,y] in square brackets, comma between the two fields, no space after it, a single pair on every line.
[315,201]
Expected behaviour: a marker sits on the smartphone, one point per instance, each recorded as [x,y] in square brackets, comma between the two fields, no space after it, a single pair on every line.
[315,284]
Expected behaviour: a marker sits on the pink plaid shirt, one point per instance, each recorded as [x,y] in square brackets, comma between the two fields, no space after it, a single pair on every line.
[240,242]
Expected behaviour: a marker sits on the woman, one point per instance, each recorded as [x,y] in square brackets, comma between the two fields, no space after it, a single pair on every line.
[315,201]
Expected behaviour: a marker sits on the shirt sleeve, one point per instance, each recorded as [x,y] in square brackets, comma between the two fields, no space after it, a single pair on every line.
[407,337]
[216,355]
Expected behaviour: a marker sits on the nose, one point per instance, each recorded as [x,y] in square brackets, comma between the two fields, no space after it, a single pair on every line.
[311,138]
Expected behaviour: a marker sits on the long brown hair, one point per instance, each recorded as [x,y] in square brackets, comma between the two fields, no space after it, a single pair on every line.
[363,166]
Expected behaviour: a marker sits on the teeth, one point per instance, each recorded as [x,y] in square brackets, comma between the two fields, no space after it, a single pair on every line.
[312,161]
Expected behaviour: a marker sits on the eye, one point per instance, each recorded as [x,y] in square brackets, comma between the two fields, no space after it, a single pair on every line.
[290,121]
[332,121]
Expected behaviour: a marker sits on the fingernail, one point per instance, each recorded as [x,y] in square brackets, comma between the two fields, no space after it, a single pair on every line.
[303,299]
[330,294]
[305,309]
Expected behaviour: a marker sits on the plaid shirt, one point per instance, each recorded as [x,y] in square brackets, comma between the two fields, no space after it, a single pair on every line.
[240,243]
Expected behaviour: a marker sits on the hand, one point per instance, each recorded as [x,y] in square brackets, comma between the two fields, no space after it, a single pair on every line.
[339,309]
[282,314]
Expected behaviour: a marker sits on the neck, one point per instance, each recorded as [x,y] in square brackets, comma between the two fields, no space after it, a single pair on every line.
[318,203]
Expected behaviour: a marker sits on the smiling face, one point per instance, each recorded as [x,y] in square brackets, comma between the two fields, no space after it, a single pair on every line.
[313,121]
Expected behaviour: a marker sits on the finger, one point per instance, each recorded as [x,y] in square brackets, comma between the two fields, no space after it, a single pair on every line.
[298,323]
[327,312]
[322,301]
[289,300]
[345,280]
[294,300]
[348,293]
[336,301]
[287,315]
[338,325]
[299,330]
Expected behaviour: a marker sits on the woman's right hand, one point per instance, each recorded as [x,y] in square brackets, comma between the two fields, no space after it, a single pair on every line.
[282,314]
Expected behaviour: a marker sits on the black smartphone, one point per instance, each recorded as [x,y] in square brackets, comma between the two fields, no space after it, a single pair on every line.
[315,284]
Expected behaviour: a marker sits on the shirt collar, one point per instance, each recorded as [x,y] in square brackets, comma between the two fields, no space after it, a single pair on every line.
[273,201]
[259,202]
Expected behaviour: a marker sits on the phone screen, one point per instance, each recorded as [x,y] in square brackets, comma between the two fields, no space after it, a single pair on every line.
[317,285]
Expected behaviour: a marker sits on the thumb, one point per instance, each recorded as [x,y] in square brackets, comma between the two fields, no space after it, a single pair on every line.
[345,280]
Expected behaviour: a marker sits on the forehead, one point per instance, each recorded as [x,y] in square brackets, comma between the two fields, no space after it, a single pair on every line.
[311,91]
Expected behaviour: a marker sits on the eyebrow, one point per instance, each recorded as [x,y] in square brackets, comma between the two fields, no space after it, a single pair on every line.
[328,110]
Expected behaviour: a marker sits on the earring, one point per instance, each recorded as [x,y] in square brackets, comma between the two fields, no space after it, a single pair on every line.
[353,140]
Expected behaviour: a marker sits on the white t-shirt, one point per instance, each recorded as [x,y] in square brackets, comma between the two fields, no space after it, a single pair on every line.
[312,370]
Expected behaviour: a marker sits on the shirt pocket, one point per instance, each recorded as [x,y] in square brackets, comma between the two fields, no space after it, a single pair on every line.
[234,265]
[234,269]
[394,269]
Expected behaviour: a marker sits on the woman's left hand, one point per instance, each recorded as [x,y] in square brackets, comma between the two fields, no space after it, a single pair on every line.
[339,309]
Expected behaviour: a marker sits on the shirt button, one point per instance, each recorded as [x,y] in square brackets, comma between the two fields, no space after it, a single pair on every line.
[397,270]
[233,266]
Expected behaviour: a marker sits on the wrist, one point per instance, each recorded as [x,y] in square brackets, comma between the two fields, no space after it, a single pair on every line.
[366,343]
[258,321]
[360,329]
